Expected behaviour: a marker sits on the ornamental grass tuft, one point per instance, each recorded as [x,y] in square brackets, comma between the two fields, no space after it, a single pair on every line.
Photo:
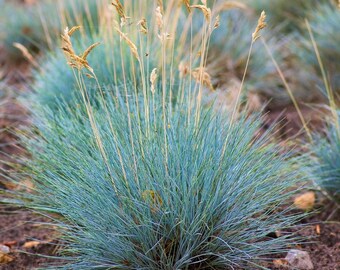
[153,185]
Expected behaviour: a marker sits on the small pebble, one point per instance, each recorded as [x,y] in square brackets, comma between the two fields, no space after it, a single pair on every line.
[4,249]
[299,259]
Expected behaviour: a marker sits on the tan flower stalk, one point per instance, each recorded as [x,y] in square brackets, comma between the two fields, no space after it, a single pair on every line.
[132,46]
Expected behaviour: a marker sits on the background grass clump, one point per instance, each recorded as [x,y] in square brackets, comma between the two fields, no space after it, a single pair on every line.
[36,26]
[326,166]
[288,17]
[230,43]
[324,21]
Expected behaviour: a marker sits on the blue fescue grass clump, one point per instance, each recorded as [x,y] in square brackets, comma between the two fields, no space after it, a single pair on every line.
[326,168]
[160,185]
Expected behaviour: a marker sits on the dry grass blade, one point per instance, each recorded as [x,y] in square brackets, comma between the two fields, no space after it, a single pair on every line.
[260,25]
[131,45]
[26,53]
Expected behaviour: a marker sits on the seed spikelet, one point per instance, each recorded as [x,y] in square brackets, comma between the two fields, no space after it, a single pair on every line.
[153,79]
[260,25]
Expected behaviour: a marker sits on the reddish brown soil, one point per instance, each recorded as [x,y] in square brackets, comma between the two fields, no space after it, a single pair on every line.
[322,231]
[289,124]
[325,252]
[18,227]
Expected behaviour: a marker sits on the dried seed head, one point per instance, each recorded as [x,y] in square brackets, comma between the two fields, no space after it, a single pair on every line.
[260,25]
[187,5]
[159,18]
[66,40]
[201,76]
[153,79]
[161,6]
[132,46]
[89,49]
[73,29]
[205,10]
[217,22]
[74,60]
[143,26]
[120,10]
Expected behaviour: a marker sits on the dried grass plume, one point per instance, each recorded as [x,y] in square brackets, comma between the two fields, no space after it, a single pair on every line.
[260,25]
[153,79]
[76,61]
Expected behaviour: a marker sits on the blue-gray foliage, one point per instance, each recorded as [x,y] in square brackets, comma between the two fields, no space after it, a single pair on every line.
[188,191]
[326,167]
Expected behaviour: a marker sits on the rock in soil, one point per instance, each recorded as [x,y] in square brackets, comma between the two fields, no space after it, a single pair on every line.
[299,259]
